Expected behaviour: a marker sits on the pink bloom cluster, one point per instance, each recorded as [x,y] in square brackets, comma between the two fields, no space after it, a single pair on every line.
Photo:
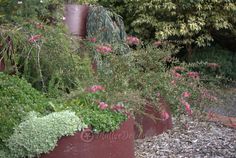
[103,105]
[131,40]
[179,68]
[194,75]
[165,115]
[104,49]
[34,38]
[184,96]
[187,106]
[118,107]
[95,88]
[157,43]
[176,74]
[213,65]
[92,39]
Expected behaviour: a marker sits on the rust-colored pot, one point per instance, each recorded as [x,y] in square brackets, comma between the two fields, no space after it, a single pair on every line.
[146,126]
[2,65]
[76,19]
[118,144]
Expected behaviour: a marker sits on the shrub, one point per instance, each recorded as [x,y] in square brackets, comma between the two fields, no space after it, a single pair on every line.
[46,57]
[215,62]
[95,113]
[184,21]
[37,135]
[17,98]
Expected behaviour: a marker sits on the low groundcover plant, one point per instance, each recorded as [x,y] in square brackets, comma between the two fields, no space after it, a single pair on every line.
[37,135]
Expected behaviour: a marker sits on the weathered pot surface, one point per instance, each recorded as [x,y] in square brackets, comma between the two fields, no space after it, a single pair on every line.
[117,144]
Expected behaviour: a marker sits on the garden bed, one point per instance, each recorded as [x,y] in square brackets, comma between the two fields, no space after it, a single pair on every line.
[104,145]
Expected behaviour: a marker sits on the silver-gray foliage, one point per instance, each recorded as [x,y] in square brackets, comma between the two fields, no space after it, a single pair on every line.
[37,135]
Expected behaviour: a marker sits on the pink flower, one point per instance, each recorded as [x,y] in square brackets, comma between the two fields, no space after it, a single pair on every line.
[34,38]
[93,39]
[179,68]
[157,43]
[95,88]
[213,65]
[194,75]
[177,75]
[131,40]
[118,107]
[186,94]
[102,105]
[173,82]
[103,49]
[187,106]
[164,116]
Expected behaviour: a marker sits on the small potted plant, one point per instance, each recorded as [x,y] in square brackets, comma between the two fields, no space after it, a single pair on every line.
[76,13]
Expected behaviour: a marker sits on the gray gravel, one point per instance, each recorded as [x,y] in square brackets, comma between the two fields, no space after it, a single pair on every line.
[194,139]
[227,106]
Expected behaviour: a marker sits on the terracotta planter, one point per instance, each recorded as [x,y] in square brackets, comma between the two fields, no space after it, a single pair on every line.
[118,144]
[76,19]
[149,126]
[2,65]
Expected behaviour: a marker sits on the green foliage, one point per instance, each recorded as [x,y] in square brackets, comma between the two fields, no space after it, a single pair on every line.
[48,11]
[17,98]
[215,54]
[50,63]
[146,74]
[187,22]
[86,107]
[37,135]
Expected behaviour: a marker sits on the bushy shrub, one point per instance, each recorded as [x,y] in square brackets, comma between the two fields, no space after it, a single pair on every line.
[146,74]
[45,55]
[185,21]
[214,62]
[37,135]
[87,106]
[17,98]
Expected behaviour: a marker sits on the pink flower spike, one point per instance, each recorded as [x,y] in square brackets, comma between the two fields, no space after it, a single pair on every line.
[102,105]
[177,75]
[93,39]
[186,94]
[165,115]
[194,75]
[95,88]
[179,68]
[131,40]
[118,107]
[34,38]
[157,43]
[103,49]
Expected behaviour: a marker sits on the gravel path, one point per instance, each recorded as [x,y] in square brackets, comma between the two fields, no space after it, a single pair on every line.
[196,139]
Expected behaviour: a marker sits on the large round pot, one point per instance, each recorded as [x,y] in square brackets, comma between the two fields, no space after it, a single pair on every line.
[152,124]
[86,144]
[76,19]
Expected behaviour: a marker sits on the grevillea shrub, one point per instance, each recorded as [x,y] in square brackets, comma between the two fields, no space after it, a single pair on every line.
[17,98]
[146,74]
[44,55]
